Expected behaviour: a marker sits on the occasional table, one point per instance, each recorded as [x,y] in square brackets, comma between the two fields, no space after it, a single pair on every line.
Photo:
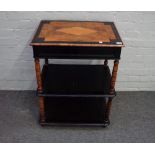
[76,94]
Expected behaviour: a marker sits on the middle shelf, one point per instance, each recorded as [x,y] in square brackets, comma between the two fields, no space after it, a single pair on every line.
[76,80]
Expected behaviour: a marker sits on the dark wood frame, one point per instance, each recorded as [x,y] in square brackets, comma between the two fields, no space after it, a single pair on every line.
[89,51]
[112,88]
[41,98]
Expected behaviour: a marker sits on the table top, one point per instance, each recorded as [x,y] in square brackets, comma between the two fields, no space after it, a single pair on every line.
[77,33]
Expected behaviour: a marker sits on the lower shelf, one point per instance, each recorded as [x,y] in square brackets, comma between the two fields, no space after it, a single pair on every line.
[75,111]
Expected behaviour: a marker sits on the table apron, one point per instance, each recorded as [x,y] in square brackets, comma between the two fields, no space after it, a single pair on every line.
[70,52]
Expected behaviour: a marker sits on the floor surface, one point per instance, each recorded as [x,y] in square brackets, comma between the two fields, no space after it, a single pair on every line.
[132,120]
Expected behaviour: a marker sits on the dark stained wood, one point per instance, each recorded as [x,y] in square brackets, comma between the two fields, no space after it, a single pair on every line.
[76,79]
[77,33]
[78,52]
[69,83]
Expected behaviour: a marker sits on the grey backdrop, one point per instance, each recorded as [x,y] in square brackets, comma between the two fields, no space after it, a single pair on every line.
[137,29]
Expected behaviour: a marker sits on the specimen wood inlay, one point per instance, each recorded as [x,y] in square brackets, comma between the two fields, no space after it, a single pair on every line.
[76,33]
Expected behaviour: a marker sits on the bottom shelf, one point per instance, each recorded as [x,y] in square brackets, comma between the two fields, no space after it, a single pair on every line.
[75,111]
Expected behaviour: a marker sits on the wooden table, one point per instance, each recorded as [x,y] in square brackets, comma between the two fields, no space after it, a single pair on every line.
[76,94]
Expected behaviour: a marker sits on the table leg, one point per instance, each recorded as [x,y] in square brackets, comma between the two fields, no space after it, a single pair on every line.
[112,88]
[42,109]
[39,82]
[46,61]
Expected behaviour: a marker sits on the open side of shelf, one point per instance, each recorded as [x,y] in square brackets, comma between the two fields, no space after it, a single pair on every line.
[75,111]
[76,81]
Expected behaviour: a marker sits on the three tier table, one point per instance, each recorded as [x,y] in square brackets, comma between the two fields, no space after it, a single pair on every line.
[76,94]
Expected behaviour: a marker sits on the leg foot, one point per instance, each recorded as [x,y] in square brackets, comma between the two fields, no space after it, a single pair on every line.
[106,123]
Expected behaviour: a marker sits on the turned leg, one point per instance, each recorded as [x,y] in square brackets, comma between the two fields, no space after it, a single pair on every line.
[114,76]
[42,109]
[39,83]
[38,74]
[112,88]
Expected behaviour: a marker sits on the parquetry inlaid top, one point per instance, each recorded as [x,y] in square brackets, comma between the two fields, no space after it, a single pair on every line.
[77,33]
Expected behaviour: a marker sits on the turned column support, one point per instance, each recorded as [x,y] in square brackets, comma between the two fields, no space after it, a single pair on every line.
[38,74]
[114,76]
[42,109]
[39,83]
[112,88]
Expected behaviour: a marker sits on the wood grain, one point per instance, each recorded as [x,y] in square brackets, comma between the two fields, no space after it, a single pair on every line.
[75,33]
[38,74]
[42,109]
[39,83]
[114,76]
[112,87]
